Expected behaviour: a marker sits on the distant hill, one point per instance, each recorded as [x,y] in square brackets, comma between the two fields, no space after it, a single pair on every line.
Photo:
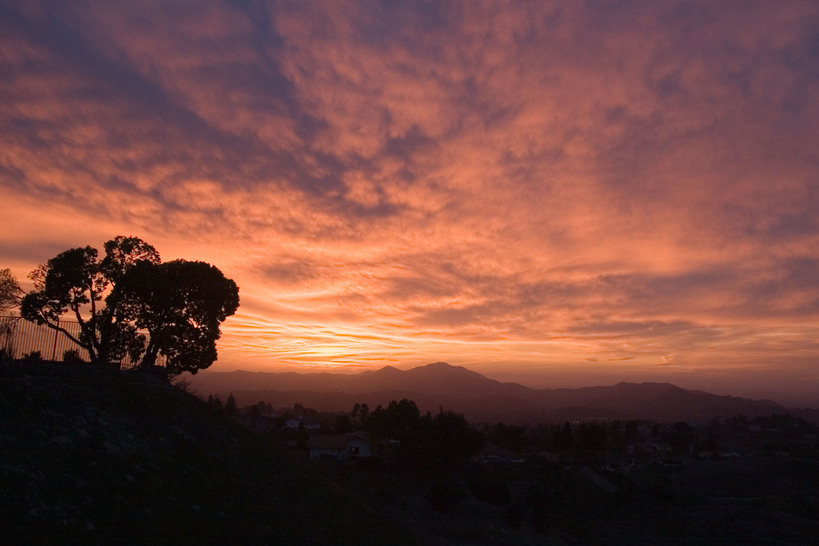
[478,397]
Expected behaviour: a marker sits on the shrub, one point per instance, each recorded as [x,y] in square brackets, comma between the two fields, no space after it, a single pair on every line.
[72,356]
[33,356]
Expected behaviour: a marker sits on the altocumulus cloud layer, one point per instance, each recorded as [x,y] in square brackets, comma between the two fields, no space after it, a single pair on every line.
[622,190]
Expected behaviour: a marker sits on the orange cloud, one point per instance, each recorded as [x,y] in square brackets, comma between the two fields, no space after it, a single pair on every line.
[514,186]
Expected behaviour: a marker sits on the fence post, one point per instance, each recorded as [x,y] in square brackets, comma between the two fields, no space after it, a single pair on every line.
[54,350]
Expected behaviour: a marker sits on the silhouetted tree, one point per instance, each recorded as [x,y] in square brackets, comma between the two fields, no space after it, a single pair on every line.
[216,403]
[76,282]
[454,439]
[255,411]
[590,441]
[180,304]
[563,438]
[360,414]
[680,436]
[510,436]
[342,425]
[394,420]
[10,292]
[442,439]
[231,410]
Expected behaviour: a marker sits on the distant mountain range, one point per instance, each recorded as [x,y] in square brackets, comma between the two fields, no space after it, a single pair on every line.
[456,388]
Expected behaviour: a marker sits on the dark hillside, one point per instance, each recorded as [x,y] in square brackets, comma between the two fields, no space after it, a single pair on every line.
[92,455]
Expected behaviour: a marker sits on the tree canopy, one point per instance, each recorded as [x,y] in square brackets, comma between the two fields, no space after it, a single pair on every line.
[128,294]
[444,438]
[181,304]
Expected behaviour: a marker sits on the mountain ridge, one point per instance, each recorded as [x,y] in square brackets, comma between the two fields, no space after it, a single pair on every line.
[457,388]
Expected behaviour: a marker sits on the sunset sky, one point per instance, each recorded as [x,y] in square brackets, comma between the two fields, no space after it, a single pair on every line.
[560,194]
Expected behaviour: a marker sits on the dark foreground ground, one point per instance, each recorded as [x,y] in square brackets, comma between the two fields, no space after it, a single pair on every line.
[763,500]
[97,456]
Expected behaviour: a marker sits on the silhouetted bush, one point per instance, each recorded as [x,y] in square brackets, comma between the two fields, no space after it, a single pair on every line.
[72,356]
[33,356]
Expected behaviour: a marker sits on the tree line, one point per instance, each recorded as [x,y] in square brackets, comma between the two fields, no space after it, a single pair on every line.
[398,429]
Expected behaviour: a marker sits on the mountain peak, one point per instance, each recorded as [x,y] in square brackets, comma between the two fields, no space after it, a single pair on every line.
[439,366]
[443,369]
[387,370]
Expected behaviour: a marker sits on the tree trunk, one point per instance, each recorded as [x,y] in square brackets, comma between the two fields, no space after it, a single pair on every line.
[149,360]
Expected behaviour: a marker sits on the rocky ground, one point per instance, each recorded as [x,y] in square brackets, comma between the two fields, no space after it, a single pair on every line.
[90,455]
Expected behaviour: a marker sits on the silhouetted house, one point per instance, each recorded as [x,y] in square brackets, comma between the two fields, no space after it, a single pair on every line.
[292,424]
[310,424]
[337,447]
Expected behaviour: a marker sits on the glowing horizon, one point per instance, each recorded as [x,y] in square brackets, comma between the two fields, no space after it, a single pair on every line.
[570,191]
